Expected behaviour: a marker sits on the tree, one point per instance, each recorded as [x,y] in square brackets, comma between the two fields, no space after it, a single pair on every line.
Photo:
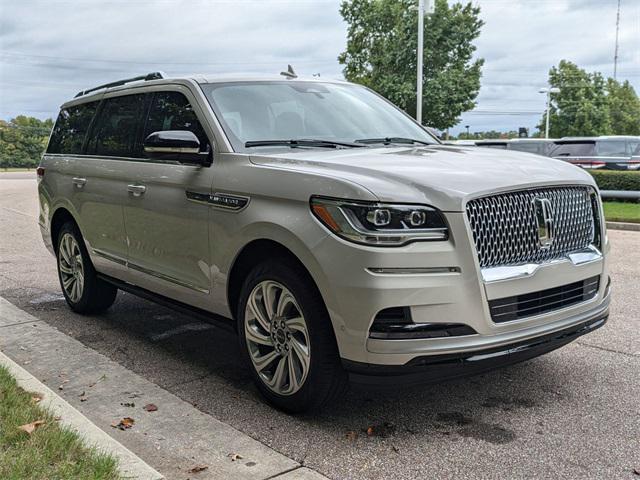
[22,141]
[624,108]
[381,54]
[581,107]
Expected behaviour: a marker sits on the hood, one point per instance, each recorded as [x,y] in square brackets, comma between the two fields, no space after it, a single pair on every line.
[441,175]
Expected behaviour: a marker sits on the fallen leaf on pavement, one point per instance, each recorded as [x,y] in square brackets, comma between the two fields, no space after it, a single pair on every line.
[125,423]
[36,397]
[198,468]
[351,435]
[150,407]
[103,377]
[234,456]
[383,430]
[30,427]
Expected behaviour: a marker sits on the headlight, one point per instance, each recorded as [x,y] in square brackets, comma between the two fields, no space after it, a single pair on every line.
[380,224]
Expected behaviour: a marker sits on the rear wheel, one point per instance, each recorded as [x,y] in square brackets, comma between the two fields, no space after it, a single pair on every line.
[82,289]
[288,339]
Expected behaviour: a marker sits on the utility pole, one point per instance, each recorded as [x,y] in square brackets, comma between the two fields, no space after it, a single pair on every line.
[429,7]
[615,57]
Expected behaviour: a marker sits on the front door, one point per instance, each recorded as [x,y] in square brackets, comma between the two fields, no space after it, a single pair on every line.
[168,234]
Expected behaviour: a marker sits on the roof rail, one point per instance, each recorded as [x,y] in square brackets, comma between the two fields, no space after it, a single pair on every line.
[147,77]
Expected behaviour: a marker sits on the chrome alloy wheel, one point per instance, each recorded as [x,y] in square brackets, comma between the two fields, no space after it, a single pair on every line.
[71,267]
[277,337]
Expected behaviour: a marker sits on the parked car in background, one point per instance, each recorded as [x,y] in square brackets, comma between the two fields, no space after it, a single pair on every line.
[460,143]
[498,144]
[606,153]
[540,146]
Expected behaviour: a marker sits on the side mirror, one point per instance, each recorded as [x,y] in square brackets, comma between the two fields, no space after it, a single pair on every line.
[180,145]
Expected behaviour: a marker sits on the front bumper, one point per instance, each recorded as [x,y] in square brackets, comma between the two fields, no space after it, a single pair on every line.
[453,292]
[436,368]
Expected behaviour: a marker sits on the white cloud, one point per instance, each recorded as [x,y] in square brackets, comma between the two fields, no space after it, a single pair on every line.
[50,49]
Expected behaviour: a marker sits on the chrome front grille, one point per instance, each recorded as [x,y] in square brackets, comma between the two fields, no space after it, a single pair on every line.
[506,230]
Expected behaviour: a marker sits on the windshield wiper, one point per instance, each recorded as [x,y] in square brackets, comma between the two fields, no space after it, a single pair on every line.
[302,142]
[390,140]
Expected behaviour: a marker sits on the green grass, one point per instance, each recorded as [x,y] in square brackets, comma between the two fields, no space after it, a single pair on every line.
[51,451]
[17,169]
[622,212]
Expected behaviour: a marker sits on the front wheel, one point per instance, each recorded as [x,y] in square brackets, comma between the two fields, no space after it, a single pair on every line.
[287,337]
[82,289]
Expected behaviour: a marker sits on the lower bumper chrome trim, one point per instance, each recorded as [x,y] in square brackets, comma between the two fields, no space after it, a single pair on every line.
[512,272]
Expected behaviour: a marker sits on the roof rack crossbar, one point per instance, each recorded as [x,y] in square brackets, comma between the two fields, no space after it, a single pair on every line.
[147,77]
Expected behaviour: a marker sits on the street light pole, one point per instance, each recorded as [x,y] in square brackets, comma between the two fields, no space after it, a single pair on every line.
[548,91]
[420,60]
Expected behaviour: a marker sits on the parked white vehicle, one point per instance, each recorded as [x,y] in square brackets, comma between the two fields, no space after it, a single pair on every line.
[338,237]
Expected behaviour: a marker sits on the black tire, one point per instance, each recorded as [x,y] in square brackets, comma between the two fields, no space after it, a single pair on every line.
[326,380]
[97,295]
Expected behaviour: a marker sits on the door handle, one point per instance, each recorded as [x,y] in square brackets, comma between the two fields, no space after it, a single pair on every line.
[79,182]
[136,190]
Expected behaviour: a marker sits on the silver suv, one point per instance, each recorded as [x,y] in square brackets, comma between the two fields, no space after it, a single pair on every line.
[336,236]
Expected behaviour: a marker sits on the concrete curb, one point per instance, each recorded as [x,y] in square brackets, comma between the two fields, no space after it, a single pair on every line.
[129,464]
[174,439]
[632,227]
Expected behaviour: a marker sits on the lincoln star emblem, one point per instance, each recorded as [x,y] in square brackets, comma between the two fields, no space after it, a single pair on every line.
[544,220]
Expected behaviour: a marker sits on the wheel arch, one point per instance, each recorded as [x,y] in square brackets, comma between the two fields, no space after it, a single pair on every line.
[249,256]
[61,216]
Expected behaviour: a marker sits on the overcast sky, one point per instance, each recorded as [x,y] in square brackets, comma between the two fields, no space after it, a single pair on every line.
[50,49]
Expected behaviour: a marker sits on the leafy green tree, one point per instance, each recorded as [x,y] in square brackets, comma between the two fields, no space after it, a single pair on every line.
[22,141]
[381,54]
[624,108]
[581,108]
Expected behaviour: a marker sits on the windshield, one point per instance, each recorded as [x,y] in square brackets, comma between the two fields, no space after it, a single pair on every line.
[294,110]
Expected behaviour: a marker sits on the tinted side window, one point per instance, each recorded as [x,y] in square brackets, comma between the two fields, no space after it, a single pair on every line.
[117,127]
[172,111]
[71,128]
[612,148]
[528,147]
[574,150]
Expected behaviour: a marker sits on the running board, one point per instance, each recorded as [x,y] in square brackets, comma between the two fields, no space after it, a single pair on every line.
[217,321]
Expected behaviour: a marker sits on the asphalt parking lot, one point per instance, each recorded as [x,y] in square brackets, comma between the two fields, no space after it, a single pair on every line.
[572,413]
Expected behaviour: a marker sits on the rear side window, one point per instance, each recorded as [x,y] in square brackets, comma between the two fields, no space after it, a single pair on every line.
[612,149]
[71,129]
[117,126]
[584,149]
[172,111]
[528,147]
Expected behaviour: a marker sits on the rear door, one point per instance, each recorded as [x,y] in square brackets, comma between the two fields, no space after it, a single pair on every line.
[90,186]
[168,233]
[581,153]
[614,154]
[110,150]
